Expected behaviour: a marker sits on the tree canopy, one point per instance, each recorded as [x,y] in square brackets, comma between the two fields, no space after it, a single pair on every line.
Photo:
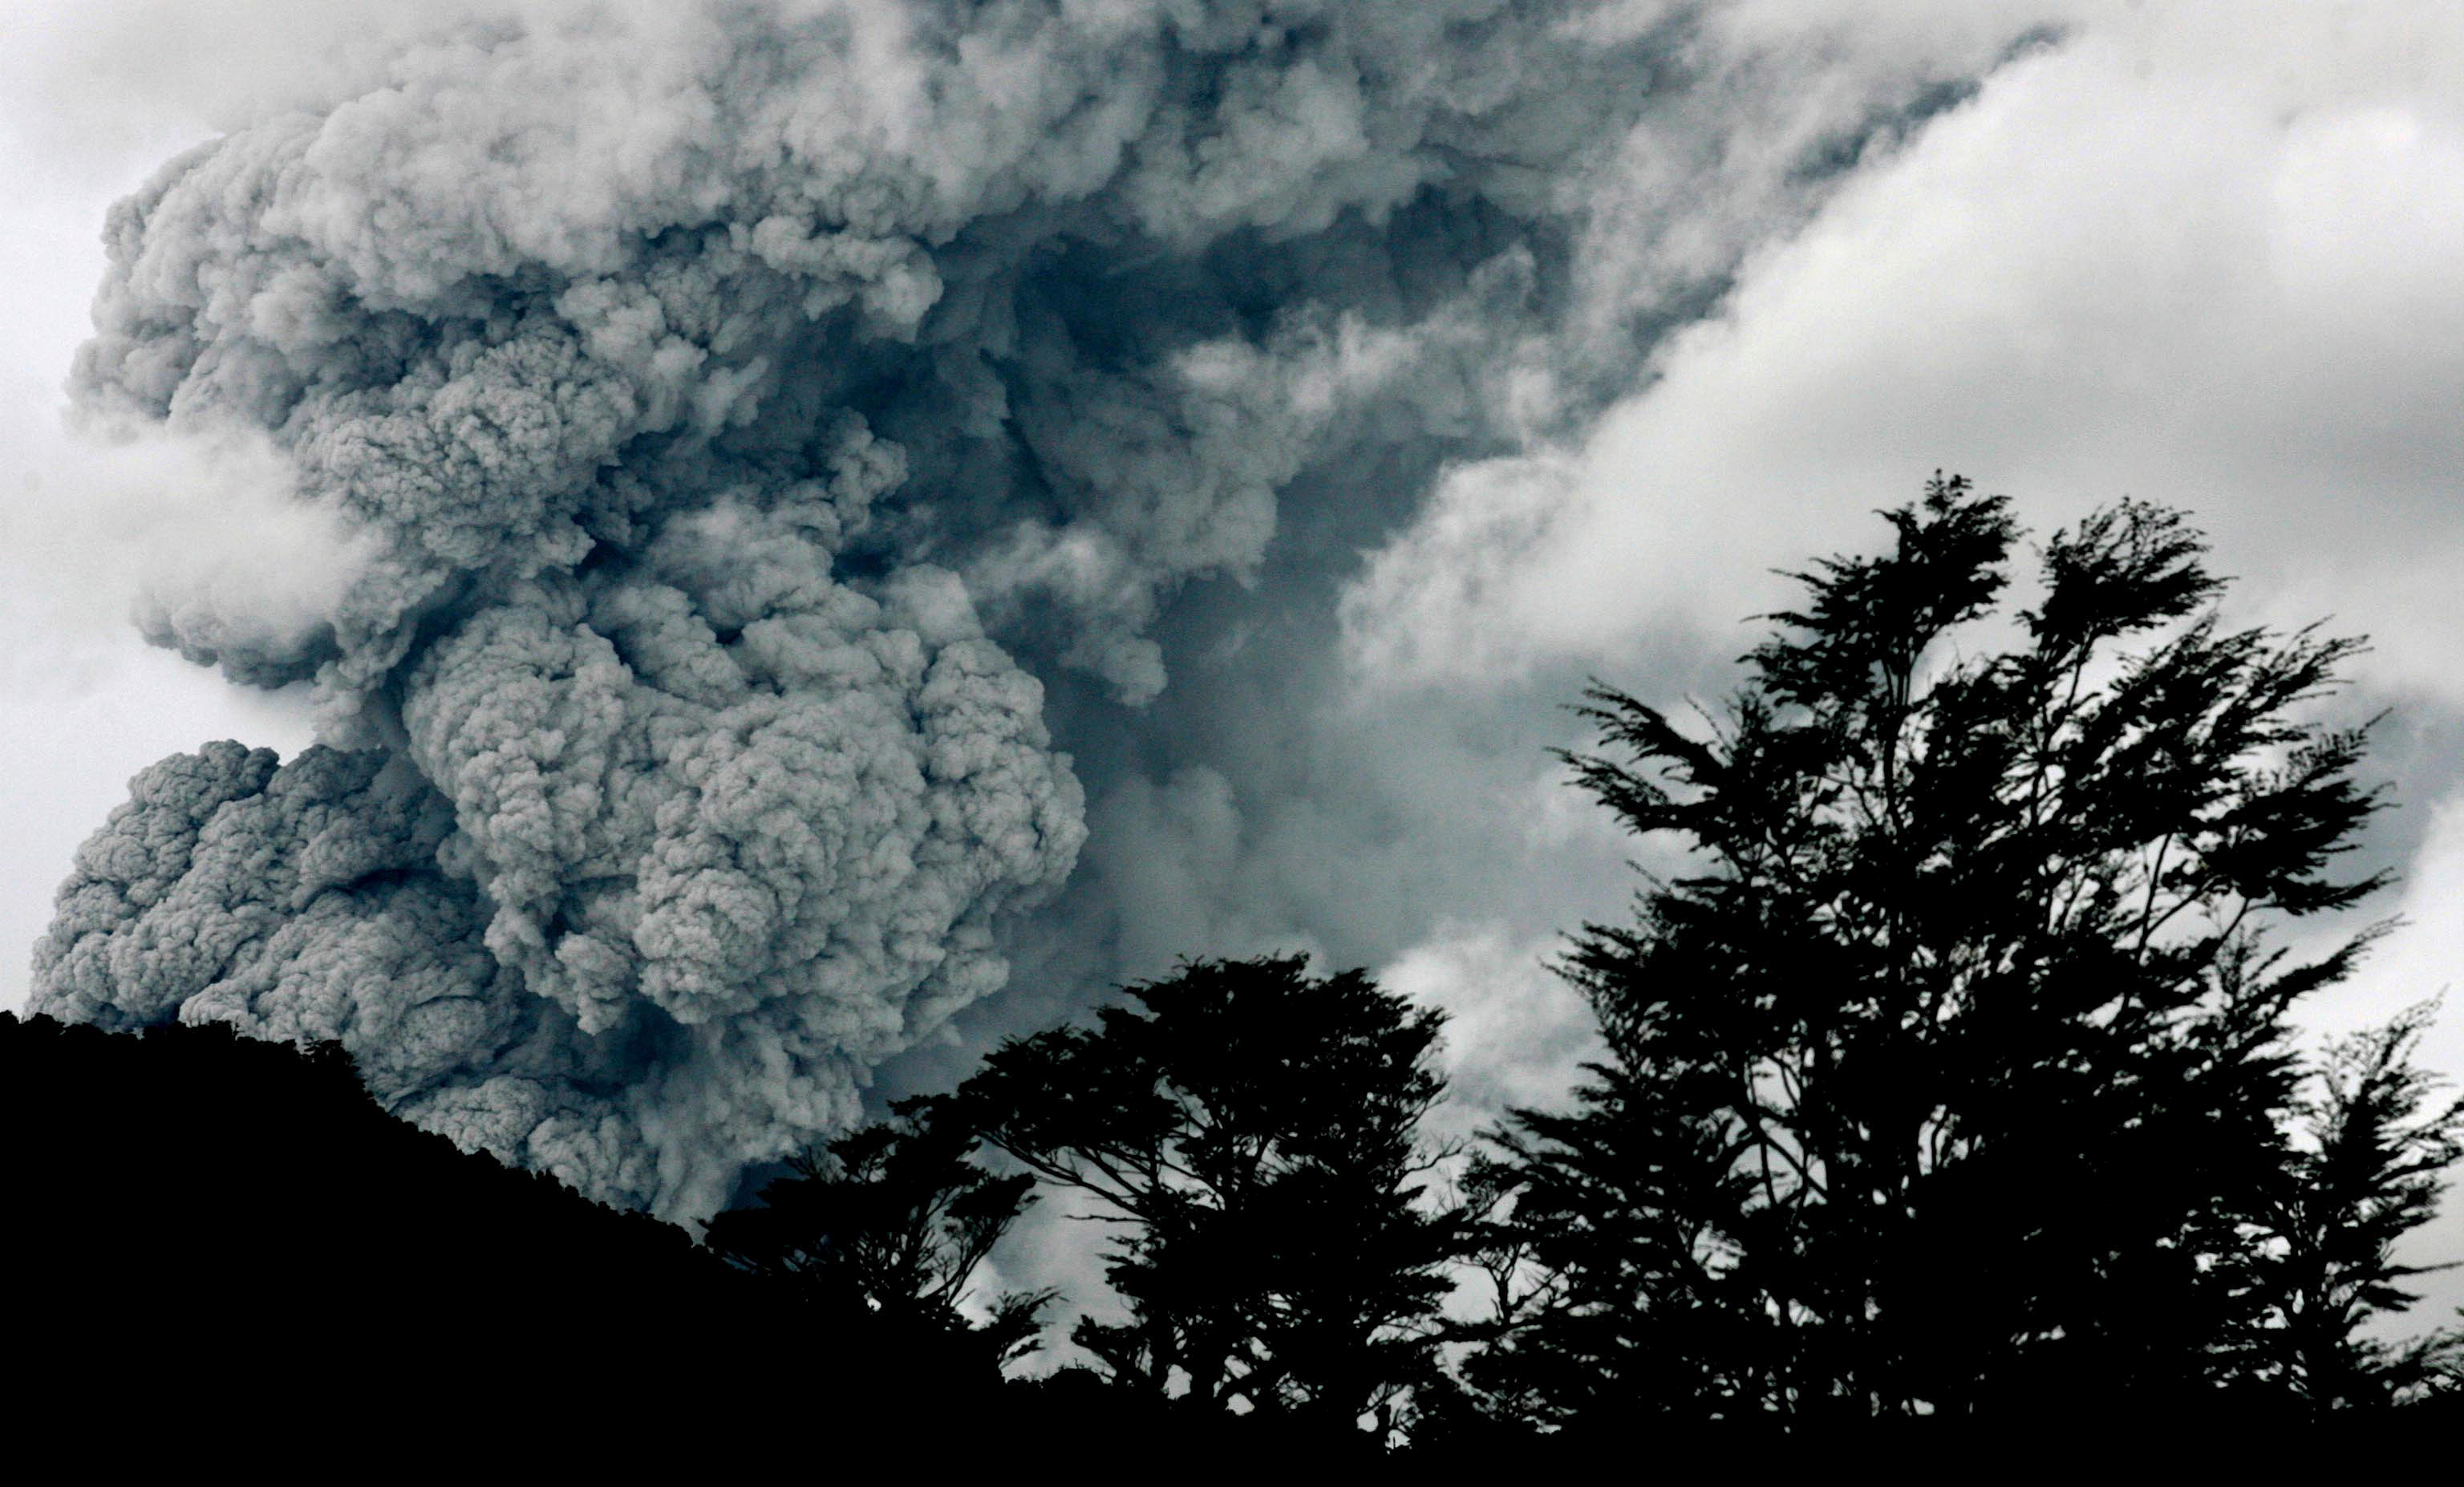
[1250,1133]
[887,1225]
[2374,1143]
[1951,1075]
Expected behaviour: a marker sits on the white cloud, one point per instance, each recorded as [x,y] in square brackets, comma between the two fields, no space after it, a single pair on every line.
[2210,257]
[83,703]
[91,533]
[2209,264]
[1516,1035]
[91,79]
[94,530]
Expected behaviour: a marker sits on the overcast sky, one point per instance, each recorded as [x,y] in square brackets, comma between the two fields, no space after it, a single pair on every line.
[2210,255]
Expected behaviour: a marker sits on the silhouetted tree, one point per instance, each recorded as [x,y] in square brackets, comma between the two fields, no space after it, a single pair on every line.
[2378,1144]
[1251,1131]
[889,1222]
[1950,1075]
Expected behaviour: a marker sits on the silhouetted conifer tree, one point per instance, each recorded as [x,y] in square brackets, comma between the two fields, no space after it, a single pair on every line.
[886,1225]
[1951,1075]
[2376,1146]
[1251,1131]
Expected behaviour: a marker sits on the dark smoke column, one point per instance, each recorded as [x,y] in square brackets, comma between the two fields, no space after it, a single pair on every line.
[704,384]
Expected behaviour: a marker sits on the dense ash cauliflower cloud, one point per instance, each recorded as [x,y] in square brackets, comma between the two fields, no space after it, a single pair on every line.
[708,388]
[634,904]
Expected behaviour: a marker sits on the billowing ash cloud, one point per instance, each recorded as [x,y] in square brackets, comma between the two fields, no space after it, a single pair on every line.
[723,403]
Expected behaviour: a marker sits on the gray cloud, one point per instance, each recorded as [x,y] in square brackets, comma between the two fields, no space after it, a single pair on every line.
[765,431]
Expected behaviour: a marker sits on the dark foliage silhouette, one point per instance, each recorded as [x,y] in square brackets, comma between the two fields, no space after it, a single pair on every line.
[1951,1075]
[2376,1143]
[1949,1084]
[1251,1133]
[887,1223]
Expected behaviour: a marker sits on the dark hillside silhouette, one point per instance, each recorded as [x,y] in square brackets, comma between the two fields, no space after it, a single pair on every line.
[191,1205]
[224,1247]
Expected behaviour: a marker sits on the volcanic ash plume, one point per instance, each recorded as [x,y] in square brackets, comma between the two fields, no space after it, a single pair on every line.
[699,390]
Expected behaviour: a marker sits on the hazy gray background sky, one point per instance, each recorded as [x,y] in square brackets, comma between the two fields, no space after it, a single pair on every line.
[2209,254]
